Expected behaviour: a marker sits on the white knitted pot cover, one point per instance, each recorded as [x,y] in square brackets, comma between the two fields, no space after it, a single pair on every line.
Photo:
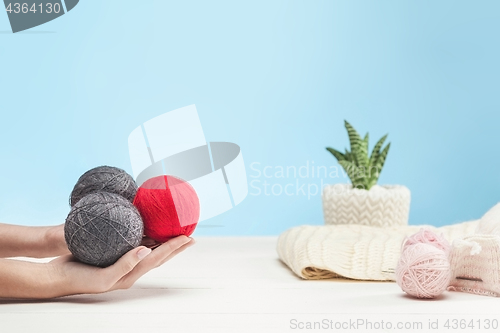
[381,206]
[352,251]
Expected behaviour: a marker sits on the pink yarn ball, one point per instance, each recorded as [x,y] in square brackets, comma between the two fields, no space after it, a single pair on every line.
[427,236]
[423,270]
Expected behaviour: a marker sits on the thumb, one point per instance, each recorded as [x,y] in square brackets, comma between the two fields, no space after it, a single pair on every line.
[128,261]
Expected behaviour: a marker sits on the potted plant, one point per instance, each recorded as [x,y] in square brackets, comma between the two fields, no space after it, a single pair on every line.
[363,201]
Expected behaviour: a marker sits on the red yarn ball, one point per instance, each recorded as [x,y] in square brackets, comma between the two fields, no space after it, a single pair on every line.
[169,207]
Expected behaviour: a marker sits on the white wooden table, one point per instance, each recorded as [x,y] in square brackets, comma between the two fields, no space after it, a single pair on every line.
[238,284]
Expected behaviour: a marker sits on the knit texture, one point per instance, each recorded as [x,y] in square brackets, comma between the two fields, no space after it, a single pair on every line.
[352,251]
[381,206]
[475,264]
[490,222]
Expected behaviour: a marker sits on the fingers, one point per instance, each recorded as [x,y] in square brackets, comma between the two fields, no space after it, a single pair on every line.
[164,251]
[156,258]
[172,244]
[176,252]
[126,264]
[82,278]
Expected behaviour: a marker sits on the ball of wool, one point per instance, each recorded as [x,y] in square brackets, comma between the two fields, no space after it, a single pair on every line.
[169,207]
[107,179]
[102,227]
[427,236]
[423,271]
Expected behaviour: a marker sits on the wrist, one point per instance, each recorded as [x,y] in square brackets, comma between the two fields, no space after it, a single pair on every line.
[56,282]
[55,244]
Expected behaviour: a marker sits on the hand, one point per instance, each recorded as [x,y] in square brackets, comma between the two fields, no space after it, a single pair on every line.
[78,278]
[55,243]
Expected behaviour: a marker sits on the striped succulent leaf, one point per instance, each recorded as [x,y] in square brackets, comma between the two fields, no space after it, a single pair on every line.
[365,140]
[363,170]
[372,181]
[348,156]
[362,153]
[338,155]
[354,174]
[379,163]
[354,140]
[376,149]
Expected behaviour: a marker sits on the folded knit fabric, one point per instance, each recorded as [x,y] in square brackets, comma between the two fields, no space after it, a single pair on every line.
[352,251]
[475,265]
[475,260]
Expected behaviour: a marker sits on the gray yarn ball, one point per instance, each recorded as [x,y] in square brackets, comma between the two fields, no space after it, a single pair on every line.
[107,179]
[102,227]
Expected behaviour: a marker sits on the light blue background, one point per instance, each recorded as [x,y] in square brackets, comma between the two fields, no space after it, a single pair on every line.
[276,77]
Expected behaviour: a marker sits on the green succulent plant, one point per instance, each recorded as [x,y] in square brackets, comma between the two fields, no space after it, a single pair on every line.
[363,170]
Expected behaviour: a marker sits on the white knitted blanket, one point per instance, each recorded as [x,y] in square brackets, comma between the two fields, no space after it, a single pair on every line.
[352,251]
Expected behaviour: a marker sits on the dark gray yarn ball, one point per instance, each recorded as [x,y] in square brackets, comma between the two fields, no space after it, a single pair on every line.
[107,179]
[102,227]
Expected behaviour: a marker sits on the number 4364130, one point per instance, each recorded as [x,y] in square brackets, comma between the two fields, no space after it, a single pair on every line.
[35,8]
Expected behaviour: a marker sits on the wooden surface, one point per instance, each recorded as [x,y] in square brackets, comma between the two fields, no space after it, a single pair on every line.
[238,284]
